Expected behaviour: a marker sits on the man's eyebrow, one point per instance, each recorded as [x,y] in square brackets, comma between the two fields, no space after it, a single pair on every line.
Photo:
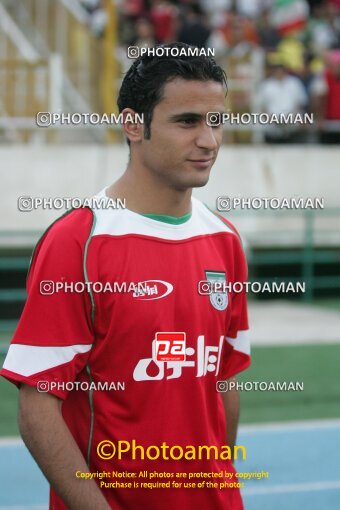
[185,116]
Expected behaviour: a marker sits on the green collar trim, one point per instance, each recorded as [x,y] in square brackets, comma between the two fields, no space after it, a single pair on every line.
[173,220]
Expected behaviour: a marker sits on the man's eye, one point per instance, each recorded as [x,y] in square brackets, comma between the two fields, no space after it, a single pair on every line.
[188,121]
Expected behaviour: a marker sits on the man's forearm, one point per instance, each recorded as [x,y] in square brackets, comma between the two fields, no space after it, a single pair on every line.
[231,402]
[49,440]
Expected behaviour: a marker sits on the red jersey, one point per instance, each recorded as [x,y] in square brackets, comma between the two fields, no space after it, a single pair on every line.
[86,336]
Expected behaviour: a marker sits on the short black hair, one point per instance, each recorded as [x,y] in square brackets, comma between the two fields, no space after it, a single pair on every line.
[143,85]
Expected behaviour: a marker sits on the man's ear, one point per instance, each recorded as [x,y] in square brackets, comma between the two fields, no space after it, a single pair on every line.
[132,126]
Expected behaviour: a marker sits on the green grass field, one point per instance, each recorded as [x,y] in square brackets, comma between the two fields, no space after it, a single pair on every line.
[317,366]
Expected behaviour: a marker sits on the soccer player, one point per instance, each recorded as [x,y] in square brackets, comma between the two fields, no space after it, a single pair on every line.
[162,389]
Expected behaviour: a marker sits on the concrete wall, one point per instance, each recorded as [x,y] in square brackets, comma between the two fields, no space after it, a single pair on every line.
[79,171]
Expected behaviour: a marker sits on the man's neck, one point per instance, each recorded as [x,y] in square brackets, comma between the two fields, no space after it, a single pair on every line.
[148,196]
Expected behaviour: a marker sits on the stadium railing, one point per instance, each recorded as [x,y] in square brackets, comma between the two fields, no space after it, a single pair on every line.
[81,68]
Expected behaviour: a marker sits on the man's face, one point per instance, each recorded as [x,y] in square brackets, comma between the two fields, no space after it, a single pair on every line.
[182,147]
[279,73]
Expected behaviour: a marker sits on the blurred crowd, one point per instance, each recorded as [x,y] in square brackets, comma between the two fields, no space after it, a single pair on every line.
[280,56]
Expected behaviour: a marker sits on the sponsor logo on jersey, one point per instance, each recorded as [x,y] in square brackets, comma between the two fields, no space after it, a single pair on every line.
[169,347]
[199,361]
[150,290]
[218,299]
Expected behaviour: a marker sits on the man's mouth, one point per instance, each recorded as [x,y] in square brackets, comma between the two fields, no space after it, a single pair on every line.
[202,162]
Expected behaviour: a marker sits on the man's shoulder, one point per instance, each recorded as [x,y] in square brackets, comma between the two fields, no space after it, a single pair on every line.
[63,244]
[269,84]
[221,222]
[72,229]
[294,81]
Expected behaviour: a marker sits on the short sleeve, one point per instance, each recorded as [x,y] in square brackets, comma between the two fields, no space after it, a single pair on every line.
[55,333]
[236,356]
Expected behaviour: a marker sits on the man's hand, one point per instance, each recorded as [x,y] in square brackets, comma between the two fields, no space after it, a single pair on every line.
[52,445]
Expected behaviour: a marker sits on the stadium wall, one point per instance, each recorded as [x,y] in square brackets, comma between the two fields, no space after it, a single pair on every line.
[79,171]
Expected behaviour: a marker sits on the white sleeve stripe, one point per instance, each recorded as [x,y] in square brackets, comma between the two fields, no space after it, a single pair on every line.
[27,360]
[241,343]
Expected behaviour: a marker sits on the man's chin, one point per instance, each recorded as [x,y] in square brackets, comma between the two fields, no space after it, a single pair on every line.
[200,183]
[197,181]
[201,179]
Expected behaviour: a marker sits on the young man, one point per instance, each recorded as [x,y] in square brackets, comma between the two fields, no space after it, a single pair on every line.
[169,242]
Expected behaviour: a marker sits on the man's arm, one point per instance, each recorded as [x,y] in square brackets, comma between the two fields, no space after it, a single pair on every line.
[231,402]
[49,440]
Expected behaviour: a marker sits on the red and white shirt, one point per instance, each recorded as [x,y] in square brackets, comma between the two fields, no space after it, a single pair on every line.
[93,337]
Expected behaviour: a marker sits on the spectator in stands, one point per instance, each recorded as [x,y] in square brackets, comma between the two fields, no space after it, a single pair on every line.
[214,10]
[250,9]
[129,13]
[239,30]
[145,33]
[269,36]
[326,93]
[143,36]
[281,93]
[193,29]
[323,28]
[133,8]
[164,15]
[239,33]
[307,74]
[97,16]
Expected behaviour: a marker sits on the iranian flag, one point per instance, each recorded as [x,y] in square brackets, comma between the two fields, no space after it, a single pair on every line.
[289,15]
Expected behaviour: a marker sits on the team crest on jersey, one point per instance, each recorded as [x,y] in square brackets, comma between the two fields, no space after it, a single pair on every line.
[218,296]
